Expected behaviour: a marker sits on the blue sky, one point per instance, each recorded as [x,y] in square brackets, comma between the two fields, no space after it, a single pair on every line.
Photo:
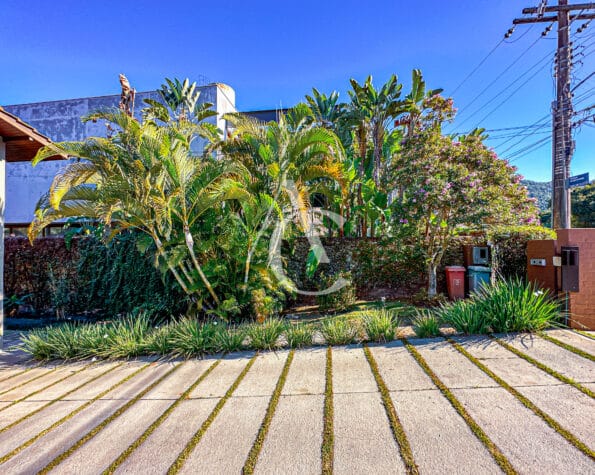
[273,52]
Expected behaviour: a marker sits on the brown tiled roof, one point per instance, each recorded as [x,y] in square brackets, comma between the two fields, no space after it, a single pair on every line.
[22,140]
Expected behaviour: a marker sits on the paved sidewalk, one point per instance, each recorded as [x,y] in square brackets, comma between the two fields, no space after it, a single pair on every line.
[467,405]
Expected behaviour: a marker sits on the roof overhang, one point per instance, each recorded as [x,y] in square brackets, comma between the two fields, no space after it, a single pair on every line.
[22,141]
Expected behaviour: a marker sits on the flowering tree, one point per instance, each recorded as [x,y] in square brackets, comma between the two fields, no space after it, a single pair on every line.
[449,184]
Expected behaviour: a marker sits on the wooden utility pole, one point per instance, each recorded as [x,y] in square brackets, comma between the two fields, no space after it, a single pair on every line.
[562,143]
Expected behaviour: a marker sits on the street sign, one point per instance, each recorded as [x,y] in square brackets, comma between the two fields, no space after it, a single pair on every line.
[578,180]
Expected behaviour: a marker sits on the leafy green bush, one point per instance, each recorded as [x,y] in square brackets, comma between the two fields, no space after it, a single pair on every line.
[340,299]
[426,324]
[380,325]
[299,335]
[265,336]
[338,331]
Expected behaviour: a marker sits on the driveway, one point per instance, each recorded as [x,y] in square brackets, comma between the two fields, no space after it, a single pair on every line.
[516,403]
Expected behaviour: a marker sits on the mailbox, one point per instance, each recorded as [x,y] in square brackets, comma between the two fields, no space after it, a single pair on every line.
[570,277]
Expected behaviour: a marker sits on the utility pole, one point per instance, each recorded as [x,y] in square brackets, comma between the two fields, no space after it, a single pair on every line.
[562,143]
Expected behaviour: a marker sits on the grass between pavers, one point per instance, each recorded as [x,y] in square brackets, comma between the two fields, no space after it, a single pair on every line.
[327,451]
[20,385]
[70,415]
[59,398]
[252,458]
[19,373]
[99,427]
[541,366]
[584,333]
[157,422]
[566,346]
[395,423]
[21,399]
[492,448]
[526,402]
[193,442]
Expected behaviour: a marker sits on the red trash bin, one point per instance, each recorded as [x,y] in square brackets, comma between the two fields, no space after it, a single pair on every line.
[455,282]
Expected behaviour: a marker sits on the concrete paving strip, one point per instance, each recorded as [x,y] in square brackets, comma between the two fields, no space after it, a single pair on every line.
[239,420]
[52,394]
[501,415]
[97,454]
[351,372]
[398,369]
[557,358]
[293,443]
[263,377]
[9,372]
[60,375]
[306,373]
[222,377]
[440,439]
[450,366]
[527,441]
[227,442]
[567,405]
[364,442]
[575,339]
[25,378]
[169,439]
[360,416]
[36,456]
[514,370]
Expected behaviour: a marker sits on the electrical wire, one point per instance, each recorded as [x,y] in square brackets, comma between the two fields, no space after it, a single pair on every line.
[466,78]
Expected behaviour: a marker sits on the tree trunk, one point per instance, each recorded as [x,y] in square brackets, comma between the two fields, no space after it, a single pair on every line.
[432,281]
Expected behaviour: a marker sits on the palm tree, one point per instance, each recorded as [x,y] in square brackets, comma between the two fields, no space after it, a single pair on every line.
[372,112]
[143,178]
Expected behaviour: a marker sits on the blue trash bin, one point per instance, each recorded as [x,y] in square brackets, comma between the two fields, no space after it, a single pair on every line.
[478,275]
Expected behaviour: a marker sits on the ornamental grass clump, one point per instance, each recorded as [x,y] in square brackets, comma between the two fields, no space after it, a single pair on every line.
[506,306]
[123,338]
[380,325]
[464,316]
[299,335]
[265,336]
[338,331]
[426,324]
[228,339]
[515,306]
[189,337]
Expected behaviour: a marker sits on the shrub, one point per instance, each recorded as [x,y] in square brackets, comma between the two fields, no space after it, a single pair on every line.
[124,338]
[189,337]
[338,331]
[265,336]
[513,306]
[340,299]
[426,324]
[299,335]
[380,325]
[228,339]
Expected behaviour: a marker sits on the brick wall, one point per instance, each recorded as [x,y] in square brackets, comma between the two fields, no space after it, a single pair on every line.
[582,303]
[545,277]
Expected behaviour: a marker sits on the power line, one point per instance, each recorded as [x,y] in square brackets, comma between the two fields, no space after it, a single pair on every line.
[546,57]
[466,78]
[495,80]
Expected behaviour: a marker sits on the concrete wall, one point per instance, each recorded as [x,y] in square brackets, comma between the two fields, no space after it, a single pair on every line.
[62,121]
